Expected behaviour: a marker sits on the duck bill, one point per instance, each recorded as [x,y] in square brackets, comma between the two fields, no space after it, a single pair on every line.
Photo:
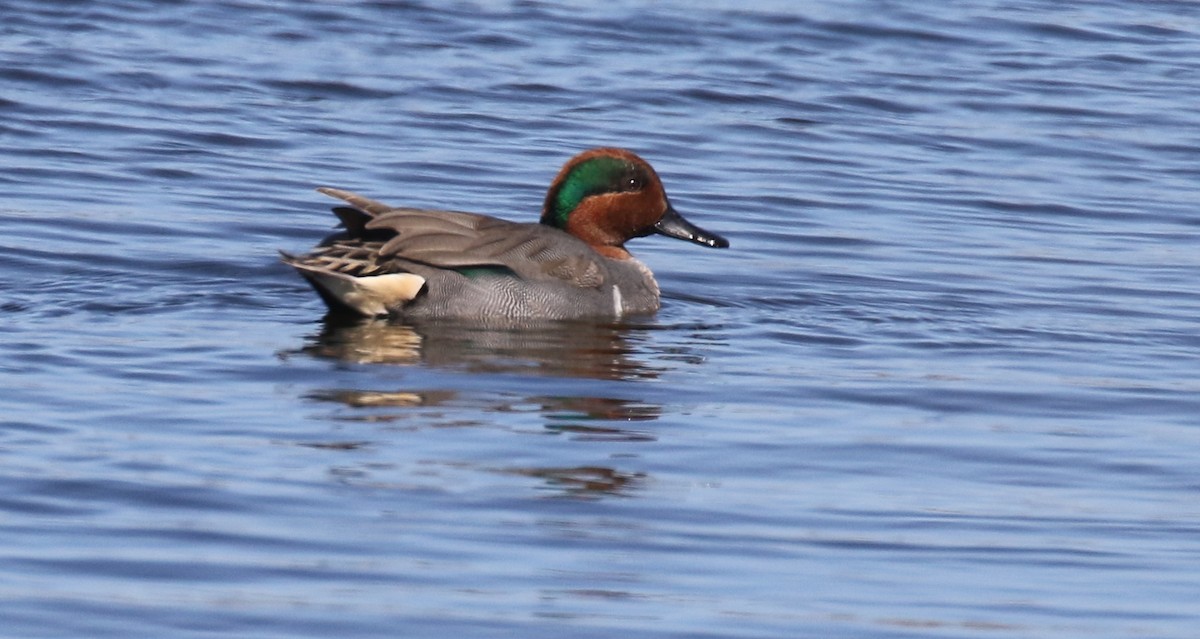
[672,224]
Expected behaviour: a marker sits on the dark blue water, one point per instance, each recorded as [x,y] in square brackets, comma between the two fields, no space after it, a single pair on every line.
[946,382]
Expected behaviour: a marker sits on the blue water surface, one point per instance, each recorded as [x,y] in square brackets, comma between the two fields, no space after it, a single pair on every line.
[945,382]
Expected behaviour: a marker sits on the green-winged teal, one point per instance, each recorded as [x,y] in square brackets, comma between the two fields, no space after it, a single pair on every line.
[418,263]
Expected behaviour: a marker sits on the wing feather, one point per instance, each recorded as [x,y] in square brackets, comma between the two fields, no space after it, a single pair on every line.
[453,240]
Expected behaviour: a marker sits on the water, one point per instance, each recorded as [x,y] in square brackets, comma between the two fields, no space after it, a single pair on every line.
[944,383]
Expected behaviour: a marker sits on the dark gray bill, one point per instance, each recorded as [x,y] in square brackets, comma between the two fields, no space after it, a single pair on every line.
[672,224]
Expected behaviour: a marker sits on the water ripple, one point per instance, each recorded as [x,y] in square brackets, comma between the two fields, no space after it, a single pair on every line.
[956,335]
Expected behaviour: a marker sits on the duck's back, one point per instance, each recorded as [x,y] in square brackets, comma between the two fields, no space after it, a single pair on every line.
[469,266]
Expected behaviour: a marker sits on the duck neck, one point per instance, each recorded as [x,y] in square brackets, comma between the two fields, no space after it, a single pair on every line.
[613,252]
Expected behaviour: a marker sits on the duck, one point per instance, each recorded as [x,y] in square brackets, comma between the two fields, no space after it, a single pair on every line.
[411,263]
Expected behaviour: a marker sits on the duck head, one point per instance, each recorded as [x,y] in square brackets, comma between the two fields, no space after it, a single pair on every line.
[608,196]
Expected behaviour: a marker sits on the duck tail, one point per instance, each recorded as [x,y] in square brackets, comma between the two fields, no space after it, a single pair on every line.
[370,296]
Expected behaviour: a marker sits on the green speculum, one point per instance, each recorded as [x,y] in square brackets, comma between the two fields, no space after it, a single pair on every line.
[494,270]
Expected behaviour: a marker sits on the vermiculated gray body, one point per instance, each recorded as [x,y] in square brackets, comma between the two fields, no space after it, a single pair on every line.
[626,290]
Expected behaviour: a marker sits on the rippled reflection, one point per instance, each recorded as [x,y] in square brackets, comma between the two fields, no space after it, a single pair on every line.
[562,349]
[579,418]
[573,408]
[584,481]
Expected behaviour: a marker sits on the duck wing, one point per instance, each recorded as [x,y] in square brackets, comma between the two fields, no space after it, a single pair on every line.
[469,241]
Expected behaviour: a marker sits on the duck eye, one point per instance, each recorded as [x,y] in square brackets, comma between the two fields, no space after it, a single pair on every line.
[633,184]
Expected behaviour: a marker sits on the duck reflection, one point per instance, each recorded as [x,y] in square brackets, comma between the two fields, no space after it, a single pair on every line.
[561,349]
[572,416]
[569,416]
[584,482]
[571,408]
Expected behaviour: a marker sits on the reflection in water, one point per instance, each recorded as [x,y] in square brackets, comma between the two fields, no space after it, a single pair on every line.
[561,349]
[578,482]
[594,408]
[584,481]
[378,406]
[563,414]
[597,433]
[367,342]
[371,399]
[569,351]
